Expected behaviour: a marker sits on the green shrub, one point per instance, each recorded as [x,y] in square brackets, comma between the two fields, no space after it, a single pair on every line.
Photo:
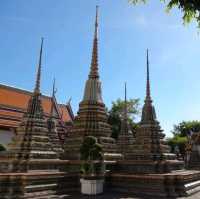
[2,147]
[91,153]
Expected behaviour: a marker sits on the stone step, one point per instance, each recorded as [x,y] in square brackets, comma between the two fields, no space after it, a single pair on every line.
[53,197]
[45,195]
[112,156]
[40,194]
[40,187]
[192,187]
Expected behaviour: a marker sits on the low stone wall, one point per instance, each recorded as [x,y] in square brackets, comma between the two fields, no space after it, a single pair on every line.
[174,184]
[142,167]
[32,185]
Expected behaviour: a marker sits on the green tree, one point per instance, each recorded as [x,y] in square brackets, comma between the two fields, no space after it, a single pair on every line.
[180,133]
[190,8]
[184,128]
[116,112]
[177,141]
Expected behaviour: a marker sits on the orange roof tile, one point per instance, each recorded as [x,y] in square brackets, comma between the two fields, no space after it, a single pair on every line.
[9,123]
[18,99]
[64,112]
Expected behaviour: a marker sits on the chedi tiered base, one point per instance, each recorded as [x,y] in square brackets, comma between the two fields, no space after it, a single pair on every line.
[91,120]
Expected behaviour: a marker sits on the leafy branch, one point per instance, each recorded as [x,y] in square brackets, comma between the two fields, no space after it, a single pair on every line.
[190,8]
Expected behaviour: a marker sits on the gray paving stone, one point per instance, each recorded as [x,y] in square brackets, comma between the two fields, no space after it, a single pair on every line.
[121,196]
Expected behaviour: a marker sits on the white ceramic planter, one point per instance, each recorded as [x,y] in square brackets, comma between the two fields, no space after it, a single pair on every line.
[91,187]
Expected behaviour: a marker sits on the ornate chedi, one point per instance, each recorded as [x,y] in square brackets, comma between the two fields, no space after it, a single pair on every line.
[52,128]
[150,169]
[149,143]
[125,139]
[149,150]
[91,118]
[31,166]
[31,141]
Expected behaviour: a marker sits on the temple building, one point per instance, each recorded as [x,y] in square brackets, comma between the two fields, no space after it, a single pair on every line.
[91,119]
[13,104]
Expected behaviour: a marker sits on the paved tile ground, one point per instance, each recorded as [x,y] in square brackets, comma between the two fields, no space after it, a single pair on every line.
[121,196]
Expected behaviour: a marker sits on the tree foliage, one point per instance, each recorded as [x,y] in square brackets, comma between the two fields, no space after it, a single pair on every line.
[116,113]
[186,127]
[180,133]
[177,141]
[132,108]
[190,8]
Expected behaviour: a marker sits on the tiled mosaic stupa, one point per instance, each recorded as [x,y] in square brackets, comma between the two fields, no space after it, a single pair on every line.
[150,169]
[150,153]
[125,139]
[91,119]
[30,167]
[52,129]
[149,140]
[31,145]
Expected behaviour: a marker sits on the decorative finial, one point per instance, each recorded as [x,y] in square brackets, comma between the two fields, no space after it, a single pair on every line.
[54,87]
[125,92]
[37,85]
[53,97]
[94,64]
[148,92]
[69,101]
[125,96]
[96,21]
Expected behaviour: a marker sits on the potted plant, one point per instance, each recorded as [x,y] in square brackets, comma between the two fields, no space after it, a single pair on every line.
[92,168]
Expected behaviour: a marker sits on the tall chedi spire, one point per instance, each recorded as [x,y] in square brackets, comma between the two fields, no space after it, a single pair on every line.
[125,138]
[37,85]
[35,106]
[91,119]
[148,111]
[125,100]
[124,120]
[93,85]
[148,92]
[94,64]
[32,141]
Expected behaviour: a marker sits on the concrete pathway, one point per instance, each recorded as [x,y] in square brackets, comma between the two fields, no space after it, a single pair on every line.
[121,196]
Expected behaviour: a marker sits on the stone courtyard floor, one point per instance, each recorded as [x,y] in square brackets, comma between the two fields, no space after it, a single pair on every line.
[121,196]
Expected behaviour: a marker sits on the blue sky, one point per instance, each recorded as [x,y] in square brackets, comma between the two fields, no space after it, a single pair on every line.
[125,33]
